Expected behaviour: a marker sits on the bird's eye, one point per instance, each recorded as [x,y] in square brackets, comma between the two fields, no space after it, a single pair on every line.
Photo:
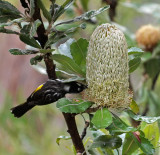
[79,89]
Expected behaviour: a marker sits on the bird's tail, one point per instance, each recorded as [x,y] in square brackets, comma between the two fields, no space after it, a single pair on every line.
[21,109]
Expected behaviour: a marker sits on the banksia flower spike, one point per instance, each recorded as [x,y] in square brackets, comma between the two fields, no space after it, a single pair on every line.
[148,36]
[107,68]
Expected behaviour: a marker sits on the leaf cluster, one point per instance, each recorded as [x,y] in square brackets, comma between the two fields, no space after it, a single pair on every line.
[108,130]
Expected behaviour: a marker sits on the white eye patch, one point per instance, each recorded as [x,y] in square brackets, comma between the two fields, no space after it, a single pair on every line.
[78,84]
[66,88]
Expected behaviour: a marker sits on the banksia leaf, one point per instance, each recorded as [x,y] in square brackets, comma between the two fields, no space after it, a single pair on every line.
[107,68]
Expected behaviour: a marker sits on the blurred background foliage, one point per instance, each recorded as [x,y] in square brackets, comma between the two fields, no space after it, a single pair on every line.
[38,130]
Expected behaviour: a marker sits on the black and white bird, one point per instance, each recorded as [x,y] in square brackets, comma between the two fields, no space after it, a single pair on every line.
[47,93]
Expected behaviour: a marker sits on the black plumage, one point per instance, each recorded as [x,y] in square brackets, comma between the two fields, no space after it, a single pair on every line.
[47,93]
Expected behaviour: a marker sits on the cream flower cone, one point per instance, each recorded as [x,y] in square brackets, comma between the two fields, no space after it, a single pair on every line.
[107,68]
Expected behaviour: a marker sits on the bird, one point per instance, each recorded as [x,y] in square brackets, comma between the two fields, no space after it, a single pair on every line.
[48,92]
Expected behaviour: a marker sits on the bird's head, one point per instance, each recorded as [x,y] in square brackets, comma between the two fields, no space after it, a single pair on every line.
[74,87]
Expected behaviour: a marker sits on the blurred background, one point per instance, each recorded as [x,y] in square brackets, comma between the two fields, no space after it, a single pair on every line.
[37,131]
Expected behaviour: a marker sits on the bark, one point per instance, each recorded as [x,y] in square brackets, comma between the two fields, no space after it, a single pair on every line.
[112,10]
[50,67]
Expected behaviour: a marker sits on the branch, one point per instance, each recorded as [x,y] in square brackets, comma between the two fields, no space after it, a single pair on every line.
[50,67]
[152,88]
[73,131]
[42,38]
[112,10]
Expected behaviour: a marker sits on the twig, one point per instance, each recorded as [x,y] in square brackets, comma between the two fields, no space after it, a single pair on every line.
[112,10]
[91,110]
[84,132]
[154,81]
[42,38]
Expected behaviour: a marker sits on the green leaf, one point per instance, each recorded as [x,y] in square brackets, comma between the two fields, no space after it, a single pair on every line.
[102,118]
[61,74]
[96,133]
[59,10]
[130,41]
[101,151]
[9,23]
[35,60]
[146,56]
[26,29]
[79,52]
[119,127]
[143,95]
[67,4]
[85,4]
[73,29]
[135,51]
[53,38]
[3,30]
[56,36]
[32,7]
[67,77]
[73,105]
[76,78]
[92,151]
[107,141]
[134,63]
[152,67]
[129,145]
[29,41]
[34,27]
[8,12]
[144,144]
[86,16]
[151,132]
[143,118]
[70,28]
[156,50]
[7,8]
[16,51]
[52,8]
[44,51]
[62,138]
[6,18]
[134,107]
[109,151]
[44,10]
[68,63]
[154,100]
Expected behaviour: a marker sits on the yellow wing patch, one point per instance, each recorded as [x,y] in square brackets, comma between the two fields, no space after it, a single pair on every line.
[38,88]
